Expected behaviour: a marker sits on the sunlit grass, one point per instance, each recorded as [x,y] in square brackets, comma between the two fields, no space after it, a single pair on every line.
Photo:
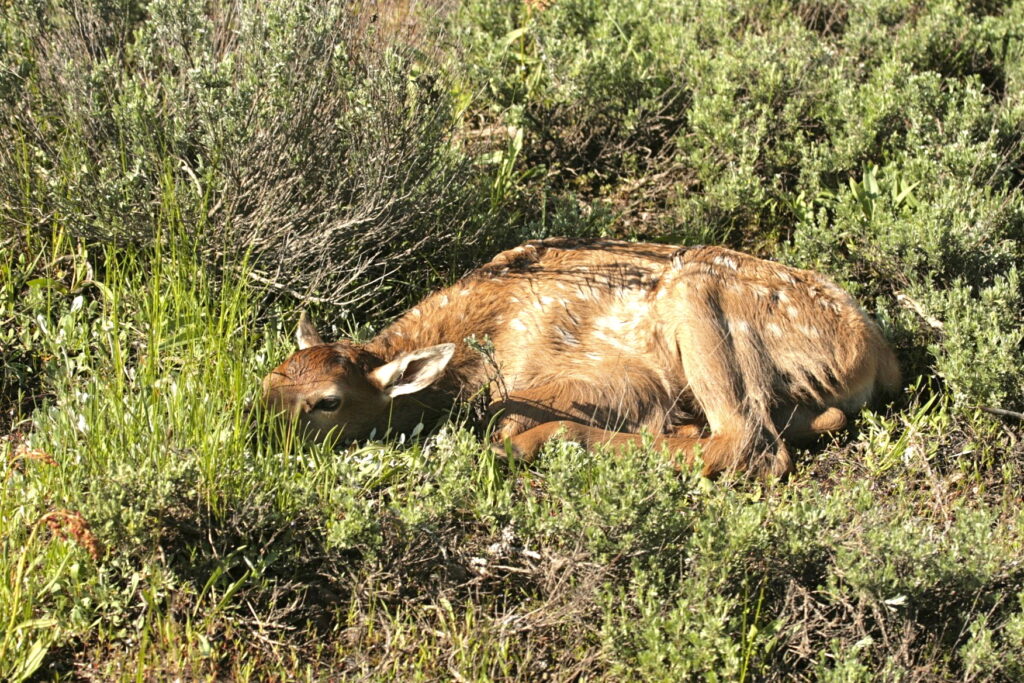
[229,549]
[155,523]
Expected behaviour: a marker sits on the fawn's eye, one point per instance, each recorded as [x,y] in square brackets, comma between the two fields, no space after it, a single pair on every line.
[327,404]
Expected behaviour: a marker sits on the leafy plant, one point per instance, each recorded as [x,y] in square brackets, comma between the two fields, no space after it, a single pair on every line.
[171,171]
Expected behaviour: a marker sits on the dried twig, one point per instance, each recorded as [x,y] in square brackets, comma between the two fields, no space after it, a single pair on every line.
[1002,412]
[916,307]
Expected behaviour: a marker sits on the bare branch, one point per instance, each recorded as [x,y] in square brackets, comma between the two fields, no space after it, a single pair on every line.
[1002,412]
[916,307]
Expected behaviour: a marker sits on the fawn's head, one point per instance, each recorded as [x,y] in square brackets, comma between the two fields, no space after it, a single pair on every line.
[343,390]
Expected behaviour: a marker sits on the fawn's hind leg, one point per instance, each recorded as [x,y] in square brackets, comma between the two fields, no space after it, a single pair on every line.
[801,425]
[531,417]
[730,379]
[798,425]
[685,449]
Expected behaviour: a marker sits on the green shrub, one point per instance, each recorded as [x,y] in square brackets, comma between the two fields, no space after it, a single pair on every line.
[598,88]
[159,159]
[294,136]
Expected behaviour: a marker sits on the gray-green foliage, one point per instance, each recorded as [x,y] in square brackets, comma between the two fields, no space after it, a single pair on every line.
[877,141]
[419,559]
[297,135]
[152,153]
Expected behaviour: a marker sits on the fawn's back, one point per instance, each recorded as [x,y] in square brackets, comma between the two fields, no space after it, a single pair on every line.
[626,337]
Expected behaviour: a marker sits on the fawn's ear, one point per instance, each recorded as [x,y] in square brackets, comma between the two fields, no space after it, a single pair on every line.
[306,335]
[413,371]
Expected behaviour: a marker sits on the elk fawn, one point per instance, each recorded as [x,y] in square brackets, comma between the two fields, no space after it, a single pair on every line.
[710,350]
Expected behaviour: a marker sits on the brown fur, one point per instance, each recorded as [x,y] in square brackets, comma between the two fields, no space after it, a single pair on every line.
[712,351]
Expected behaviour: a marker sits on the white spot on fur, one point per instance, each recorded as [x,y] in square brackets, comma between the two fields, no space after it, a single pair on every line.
[774,329]
[727,261]
[830,305]
[464,292]
[787,277]
[781,296]
[792,312]
[517,324]
[547,300]
[610,322]
[444,301]
[613,341]
[808,331]
[415,312]
[740,326]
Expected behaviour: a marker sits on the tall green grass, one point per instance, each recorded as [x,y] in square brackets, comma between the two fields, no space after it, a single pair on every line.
[224,551]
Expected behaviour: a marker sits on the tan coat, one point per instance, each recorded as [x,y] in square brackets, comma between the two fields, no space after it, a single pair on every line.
[712,351]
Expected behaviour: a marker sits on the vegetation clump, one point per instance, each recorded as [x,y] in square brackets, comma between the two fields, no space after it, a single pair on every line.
[178,179]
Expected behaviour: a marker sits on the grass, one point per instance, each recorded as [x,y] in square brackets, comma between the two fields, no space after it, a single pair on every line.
[204,551]
[153,526]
